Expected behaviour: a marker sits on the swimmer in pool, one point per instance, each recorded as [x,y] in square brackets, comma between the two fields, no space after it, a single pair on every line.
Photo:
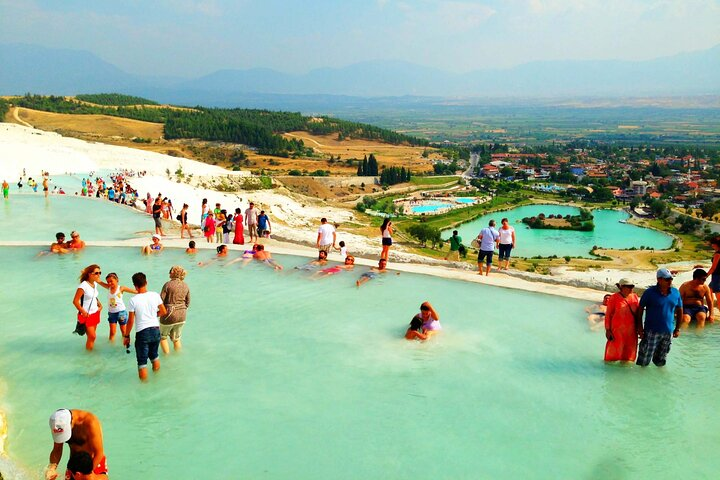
[416,331]
[222,252]
[154,247]
[321,260]
[59,246]
[430,319]
[348,265]
[191,247]
[596,317]
[246,257]
[264,256]
[373,273]
[75,242]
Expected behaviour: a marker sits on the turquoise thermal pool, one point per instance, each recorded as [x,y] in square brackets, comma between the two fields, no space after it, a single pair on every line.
[287,377]
[430,207]
[610,232]
[33,217]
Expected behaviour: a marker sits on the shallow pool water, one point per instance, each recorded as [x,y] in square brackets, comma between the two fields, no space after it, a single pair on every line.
[34,217]
[609,232]
[286,377]
[430,207]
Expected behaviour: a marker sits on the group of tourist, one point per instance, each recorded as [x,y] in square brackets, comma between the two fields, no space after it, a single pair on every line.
[118,189]
[31,183]
[666,310]
[156,317]
[219,224]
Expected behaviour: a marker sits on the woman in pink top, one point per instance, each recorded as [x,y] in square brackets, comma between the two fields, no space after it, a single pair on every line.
[209,227]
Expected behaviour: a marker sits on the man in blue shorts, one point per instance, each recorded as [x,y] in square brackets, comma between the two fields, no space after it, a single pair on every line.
[488,238]
[662,320]
[697,299]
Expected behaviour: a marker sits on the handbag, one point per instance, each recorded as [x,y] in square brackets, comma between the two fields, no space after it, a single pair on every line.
[475,243]
[80,327]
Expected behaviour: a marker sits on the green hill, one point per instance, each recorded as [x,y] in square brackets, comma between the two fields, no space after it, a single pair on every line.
[116,99]
[260,129]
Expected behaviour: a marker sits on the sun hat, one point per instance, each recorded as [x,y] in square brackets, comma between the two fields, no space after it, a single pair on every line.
[625,282]
[664,273]
[61,425]
[155,235]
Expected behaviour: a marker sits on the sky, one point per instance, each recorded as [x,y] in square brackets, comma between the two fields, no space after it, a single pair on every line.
[190,38]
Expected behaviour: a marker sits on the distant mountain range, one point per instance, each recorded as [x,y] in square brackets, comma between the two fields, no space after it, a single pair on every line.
[30,68]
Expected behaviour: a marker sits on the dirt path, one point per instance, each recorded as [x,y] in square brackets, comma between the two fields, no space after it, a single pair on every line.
[312,140]
[18,119]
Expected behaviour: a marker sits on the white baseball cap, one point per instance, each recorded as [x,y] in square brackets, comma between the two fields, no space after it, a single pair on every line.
[61,425]
[155,235]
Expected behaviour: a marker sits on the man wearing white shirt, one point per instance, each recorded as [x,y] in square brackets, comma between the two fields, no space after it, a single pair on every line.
[326,236]
[143,310]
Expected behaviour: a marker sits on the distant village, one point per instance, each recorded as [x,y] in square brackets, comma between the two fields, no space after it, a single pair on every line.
[684,181]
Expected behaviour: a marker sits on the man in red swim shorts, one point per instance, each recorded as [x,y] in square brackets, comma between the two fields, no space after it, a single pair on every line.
[82,432]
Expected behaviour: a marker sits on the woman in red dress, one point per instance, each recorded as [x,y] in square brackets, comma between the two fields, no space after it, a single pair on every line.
[620,331]
[239,238]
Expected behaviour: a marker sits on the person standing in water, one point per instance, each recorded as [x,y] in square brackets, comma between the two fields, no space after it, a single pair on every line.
[662,321]
[6,189]
[82,432]
[87,303]
[117,312]
[143,310]
[46,186]
[175,295]
[619,321]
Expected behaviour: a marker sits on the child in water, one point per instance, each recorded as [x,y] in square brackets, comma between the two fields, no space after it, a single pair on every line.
[416,331]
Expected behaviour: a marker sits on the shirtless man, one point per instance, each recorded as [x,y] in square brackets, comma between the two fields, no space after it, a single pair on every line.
[264,256]
[82,432]
[45,186]
[695,294]
[59,246]
[75,242]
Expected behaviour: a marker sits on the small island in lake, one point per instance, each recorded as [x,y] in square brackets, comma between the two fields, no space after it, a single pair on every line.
[582,222]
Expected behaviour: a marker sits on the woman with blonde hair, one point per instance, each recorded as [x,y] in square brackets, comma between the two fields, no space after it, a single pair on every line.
[175,295]
[87,303]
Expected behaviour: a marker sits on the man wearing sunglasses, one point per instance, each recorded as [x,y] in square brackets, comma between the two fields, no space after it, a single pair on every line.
[662,320]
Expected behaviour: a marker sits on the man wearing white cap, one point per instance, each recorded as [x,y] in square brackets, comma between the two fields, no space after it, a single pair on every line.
[82,432]
[662,321]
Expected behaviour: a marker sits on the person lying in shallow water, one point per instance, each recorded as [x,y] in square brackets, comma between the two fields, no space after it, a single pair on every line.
[312,265]
[222,252]
[264,256]
[348,265]
[373,273]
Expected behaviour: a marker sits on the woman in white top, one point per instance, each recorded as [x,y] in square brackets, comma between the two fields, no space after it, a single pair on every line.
[87,303]
[507,243]
[117,313]
[387,230]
